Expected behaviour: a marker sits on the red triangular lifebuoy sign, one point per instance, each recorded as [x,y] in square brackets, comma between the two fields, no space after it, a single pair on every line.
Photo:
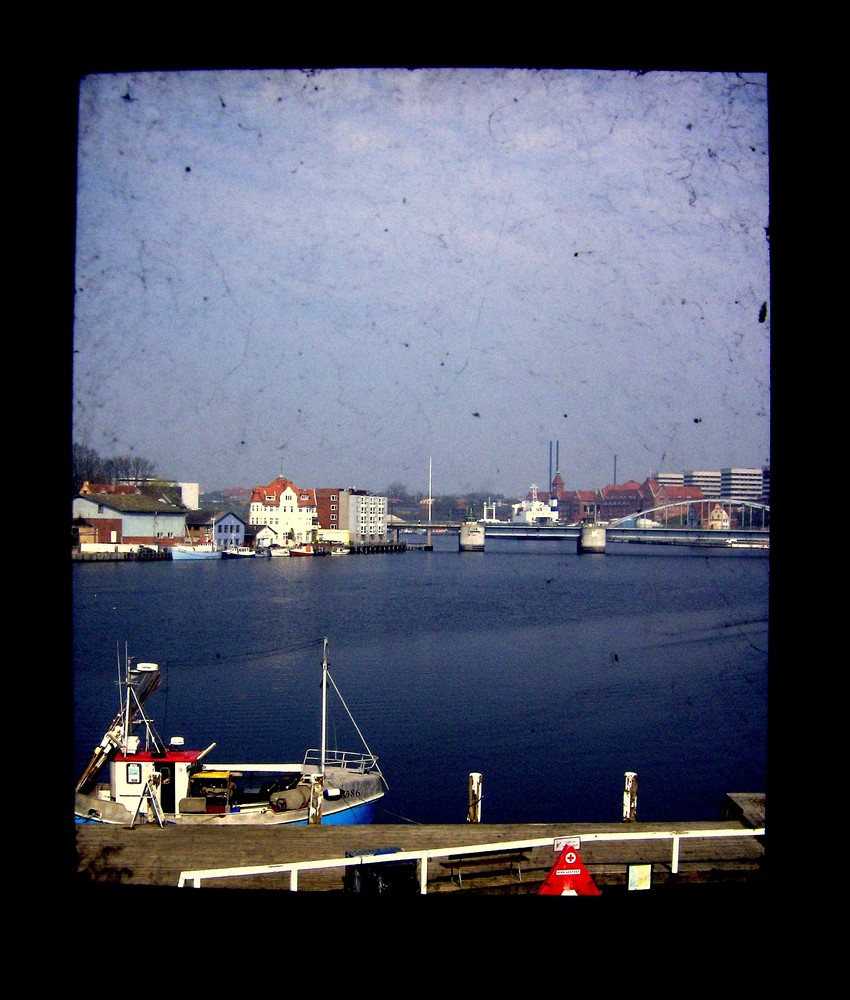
[568,877]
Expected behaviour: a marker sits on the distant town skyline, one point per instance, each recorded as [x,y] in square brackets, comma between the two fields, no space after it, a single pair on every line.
[542,485]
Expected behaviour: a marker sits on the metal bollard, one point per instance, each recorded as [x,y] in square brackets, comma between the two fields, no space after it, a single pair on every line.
[630,798]
[473,814]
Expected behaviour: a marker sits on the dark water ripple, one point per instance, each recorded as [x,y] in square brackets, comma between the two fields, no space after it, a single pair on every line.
[550,673]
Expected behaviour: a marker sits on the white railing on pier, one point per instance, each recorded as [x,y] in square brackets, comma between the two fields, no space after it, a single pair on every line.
[193,878]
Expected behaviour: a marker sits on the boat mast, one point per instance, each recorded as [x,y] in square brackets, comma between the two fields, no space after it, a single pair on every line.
[430,503]
[127,717]
[324,702]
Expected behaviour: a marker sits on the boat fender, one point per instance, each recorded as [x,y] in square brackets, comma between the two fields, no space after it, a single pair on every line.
[292,798]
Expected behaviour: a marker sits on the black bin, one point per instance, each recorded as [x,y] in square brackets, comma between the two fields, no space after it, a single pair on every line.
[395,877]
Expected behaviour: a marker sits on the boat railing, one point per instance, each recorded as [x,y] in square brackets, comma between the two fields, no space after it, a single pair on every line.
[351,760]
[423,857]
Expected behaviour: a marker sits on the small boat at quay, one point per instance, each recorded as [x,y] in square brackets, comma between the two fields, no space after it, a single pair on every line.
[206,551]
[243,552]
[308,549]
[151,782]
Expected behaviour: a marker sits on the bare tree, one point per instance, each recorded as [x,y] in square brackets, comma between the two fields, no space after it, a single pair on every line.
[86,466]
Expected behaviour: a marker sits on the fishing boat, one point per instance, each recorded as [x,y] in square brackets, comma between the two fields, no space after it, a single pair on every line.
[204,551]
[242,552]
[152,782]
[307,549]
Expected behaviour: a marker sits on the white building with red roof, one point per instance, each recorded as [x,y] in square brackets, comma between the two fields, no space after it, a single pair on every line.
[289,511]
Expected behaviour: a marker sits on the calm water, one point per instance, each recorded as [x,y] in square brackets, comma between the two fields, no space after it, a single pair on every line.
[548,672]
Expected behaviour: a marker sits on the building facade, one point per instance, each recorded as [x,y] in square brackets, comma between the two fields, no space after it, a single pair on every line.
[130,519]
[708,482]
[290,511]
[229,531]
[742,484]
[359,513]
[367,516]
[332,508]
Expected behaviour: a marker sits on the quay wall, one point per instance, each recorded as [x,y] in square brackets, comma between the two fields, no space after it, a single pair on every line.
[119,553]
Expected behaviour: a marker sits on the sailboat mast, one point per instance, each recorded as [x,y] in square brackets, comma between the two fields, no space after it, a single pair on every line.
[324,702]
[127,716]
[430,504]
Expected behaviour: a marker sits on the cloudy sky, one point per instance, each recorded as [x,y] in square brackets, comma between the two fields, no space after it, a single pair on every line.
[337,276]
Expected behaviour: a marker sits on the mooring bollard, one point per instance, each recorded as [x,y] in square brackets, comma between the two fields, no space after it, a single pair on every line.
[473,814]
[630,798]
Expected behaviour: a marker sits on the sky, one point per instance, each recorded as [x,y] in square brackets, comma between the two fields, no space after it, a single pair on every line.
[351,277]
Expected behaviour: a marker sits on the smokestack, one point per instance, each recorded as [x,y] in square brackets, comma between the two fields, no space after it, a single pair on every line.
[553,494]
[615,470]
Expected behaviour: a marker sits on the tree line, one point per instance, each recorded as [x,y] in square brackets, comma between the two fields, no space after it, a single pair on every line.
[88,466]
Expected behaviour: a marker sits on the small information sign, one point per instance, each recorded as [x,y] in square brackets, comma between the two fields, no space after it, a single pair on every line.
[640,876]
[562,842]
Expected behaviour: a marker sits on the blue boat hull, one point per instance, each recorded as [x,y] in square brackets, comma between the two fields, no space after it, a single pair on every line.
[357,816]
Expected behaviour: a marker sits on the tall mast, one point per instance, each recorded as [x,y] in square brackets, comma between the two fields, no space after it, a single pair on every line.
[430,502]
[324,702]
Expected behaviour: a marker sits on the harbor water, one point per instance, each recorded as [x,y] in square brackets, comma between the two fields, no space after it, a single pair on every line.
[548,672]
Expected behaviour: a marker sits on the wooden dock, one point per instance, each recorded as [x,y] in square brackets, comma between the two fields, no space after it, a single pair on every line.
[148,855]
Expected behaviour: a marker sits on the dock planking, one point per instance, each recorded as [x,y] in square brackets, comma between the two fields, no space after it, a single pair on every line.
[148,855]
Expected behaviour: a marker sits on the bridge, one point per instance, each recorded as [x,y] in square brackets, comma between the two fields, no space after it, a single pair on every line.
[752,531]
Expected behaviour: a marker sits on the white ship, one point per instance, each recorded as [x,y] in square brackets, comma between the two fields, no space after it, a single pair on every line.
[533,511]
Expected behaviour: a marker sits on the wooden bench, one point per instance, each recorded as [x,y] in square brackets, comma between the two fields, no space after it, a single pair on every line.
[509,860]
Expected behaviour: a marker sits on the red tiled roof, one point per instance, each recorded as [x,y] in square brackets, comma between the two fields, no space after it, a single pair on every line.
[112,489]
[305,498]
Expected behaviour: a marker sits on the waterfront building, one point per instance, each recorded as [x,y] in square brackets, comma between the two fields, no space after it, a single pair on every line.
[358,513]
[332,507]
[130,519]
[229,531]
[286,508]
[367,516]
